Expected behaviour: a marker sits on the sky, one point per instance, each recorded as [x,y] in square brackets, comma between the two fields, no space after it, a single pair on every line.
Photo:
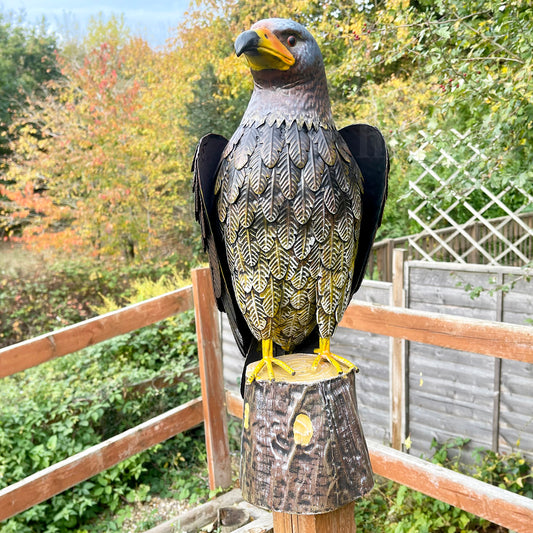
[152,19]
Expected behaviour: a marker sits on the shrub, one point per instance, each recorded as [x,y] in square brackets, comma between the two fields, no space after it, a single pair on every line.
[66,405]
[43,298]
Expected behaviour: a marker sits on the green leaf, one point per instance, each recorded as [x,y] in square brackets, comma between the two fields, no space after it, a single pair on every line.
[52,442]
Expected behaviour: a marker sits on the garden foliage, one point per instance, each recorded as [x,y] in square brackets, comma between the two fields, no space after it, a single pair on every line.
[62,407]
[393,508]
[101,160]
[42,297]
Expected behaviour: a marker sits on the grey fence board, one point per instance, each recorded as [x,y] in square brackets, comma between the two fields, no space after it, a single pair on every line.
[434,288]
[456,379]
[516,406]
[518,308]
[233,361]
[371,354]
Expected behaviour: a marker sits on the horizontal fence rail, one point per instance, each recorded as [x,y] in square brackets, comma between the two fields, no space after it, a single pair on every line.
[472,495]
[485,337]
[63,475]
[67,340]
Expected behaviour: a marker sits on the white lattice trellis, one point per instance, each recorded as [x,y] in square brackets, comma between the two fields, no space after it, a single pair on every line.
[507,239]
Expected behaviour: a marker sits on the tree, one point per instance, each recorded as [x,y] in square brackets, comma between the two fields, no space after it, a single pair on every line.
[28,61]
[406,66]
[95,158]
[122,125]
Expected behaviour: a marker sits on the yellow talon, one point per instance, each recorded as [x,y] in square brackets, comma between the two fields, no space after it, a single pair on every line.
[324,353]
[268,360]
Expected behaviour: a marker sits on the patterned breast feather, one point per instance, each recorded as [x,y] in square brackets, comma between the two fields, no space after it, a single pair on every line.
[289,203]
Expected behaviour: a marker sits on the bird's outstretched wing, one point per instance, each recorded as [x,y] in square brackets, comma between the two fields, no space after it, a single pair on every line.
[205,166]
[370,152]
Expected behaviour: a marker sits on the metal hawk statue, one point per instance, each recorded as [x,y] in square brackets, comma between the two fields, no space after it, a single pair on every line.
[289,206]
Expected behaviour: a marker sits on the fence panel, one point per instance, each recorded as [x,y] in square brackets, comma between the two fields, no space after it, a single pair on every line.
[454,393]
[371,353]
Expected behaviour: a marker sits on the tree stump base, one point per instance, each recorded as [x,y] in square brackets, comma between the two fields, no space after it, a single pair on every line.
[303,449]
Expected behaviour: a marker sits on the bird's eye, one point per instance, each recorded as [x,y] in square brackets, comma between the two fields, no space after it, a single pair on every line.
[291,40]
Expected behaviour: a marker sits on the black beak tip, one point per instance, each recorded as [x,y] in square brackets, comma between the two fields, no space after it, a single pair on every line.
[246,42]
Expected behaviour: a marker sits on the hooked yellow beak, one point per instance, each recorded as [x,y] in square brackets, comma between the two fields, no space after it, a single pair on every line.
[263,50]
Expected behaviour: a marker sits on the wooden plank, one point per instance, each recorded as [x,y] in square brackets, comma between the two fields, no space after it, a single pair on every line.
[199,516]
[374,292]
[38,350]
[260,525]
[465,267]
[234,404]
[339,520]
[397,356]
[485,337]
[233,361]
[516,428]
[487,501]
[61,476]
[212,379]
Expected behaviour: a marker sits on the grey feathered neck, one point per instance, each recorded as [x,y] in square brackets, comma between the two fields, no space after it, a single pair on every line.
[307,104]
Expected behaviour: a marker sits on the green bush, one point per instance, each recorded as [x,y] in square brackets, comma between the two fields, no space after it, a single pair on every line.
[41,298]
[62,407]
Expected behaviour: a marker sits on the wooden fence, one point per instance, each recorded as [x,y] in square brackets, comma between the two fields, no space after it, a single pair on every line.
[494,504]
[490,248]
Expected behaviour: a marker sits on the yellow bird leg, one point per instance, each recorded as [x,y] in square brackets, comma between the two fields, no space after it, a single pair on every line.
[324,353]
[268,360]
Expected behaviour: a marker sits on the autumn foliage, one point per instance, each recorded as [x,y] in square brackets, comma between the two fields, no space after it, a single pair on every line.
[100,161]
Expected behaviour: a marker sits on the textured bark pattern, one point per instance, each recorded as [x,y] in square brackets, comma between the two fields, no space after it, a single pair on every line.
[329,472]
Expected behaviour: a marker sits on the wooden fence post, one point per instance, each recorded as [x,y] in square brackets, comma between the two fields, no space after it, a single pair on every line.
[497,382]
[390,259]
[213,396]
[398,393]
[340,520]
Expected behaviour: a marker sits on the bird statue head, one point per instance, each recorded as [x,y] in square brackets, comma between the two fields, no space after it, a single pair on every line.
[286,62]
[279,45]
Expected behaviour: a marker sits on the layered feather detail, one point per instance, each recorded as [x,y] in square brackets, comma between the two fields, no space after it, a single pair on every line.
[289,205]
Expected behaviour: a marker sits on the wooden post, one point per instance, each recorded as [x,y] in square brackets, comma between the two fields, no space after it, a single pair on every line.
[338,521]
[304,455]
[497,381]
[213,396]
[398,356]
